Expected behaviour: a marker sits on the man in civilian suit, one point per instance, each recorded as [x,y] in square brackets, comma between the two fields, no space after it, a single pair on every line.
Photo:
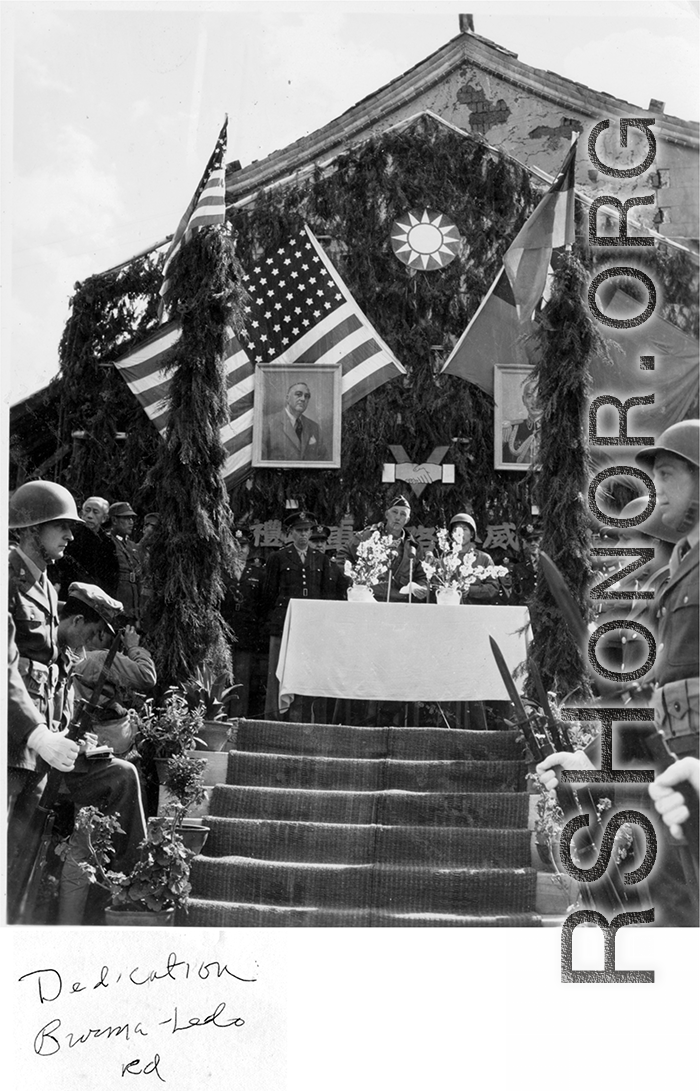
[292,436]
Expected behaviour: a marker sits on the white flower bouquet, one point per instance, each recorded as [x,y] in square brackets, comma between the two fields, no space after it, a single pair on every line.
[373,560]
[449,567]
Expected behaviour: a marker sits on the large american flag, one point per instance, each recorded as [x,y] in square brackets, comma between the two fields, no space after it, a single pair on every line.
[299,310]
[208,206]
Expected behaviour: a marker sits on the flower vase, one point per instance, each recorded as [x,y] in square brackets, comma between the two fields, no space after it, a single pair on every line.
[360,592]
[448,596]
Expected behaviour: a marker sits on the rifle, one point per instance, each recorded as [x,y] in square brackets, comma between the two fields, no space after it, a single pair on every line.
[28,865]
[541,745]
[655,740]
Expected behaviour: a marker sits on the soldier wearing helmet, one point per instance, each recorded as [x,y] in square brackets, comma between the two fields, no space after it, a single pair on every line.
[673,462]
[481,592]
[44,515]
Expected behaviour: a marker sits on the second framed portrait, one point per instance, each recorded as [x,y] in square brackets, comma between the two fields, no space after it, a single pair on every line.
[515,418]
[296,417]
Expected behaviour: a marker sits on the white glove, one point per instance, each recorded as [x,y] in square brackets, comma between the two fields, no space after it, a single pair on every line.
[575,759]
[671,804]
[53,746]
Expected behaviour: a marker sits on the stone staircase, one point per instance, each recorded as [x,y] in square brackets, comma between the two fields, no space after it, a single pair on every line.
[324,825]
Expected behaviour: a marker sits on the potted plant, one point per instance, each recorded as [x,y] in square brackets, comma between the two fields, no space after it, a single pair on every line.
[169,730]
[373,558]
[451,572]
[209,693]
[157,885]
[184,781]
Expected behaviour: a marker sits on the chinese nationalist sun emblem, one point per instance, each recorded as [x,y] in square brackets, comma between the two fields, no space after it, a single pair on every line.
[425,240]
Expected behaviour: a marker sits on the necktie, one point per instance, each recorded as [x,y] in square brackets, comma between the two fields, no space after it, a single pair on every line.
[298,428]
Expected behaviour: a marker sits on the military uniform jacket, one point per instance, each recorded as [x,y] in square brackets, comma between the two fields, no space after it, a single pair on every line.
[242,609]
[22,714]
[482,591]
[400,564]
[45,673]
[677,619]
[129,586]
[34,610]
[287,578]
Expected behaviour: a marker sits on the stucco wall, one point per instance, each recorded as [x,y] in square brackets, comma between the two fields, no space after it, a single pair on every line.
[537,132]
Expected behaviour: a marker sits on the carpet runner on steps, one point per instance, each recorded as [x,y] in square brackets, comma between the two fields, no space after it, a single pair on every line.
[324,825]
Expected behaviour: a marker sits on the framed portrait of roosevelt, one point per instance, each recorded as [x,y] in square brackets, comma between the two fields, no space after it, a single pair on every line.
[296,416]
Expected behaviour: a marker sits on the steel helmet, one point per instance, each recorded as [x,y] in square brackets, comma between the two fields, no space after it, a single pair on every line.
[682,439]
[463,518]
[38,502]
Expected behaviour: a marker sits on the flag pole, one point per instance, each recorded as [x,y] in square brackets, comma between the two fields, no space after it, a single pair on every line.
[569,245]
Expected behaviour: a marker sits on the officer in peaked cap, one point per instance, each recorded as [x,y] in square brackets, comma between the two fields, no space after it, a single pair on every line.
[524,571]
[296,571]
[320,535]
[122,517]
[339,582]
[121,510]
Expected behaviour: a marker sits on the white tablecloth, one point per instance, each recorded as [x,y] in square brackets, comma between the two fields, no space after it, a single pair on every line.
[396,652]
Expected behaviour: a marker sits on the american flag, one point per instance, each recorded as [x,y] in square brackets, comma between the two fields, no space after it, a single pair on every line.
[300,310]
[208,206]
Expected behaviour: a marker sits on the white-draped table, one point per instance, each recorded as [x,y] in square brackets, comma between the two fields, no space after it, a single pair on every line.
[380,651]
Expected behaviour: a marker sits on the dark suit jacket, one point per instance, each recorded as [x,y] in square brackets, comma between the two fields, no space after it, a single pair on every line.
[89,558]
[281,443]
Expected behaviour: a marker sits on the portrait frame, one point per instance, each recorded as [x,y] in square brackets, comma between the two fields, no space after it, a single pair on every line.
[274,441]
[514,427]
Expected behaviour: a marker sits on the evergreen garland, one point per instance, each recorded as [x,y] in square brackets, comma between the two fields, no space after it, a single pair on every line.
[567,338]
[110,313]
[193,546]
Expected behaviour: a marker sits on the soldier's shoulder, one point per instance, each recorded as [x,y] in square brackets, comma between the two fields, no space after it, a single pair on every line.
[20,579]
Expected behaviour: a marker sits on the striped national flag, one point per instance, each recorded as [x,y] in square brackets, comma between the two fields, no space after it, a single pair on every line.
[550,228]
[208,206]
[299,310]
[499,332]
